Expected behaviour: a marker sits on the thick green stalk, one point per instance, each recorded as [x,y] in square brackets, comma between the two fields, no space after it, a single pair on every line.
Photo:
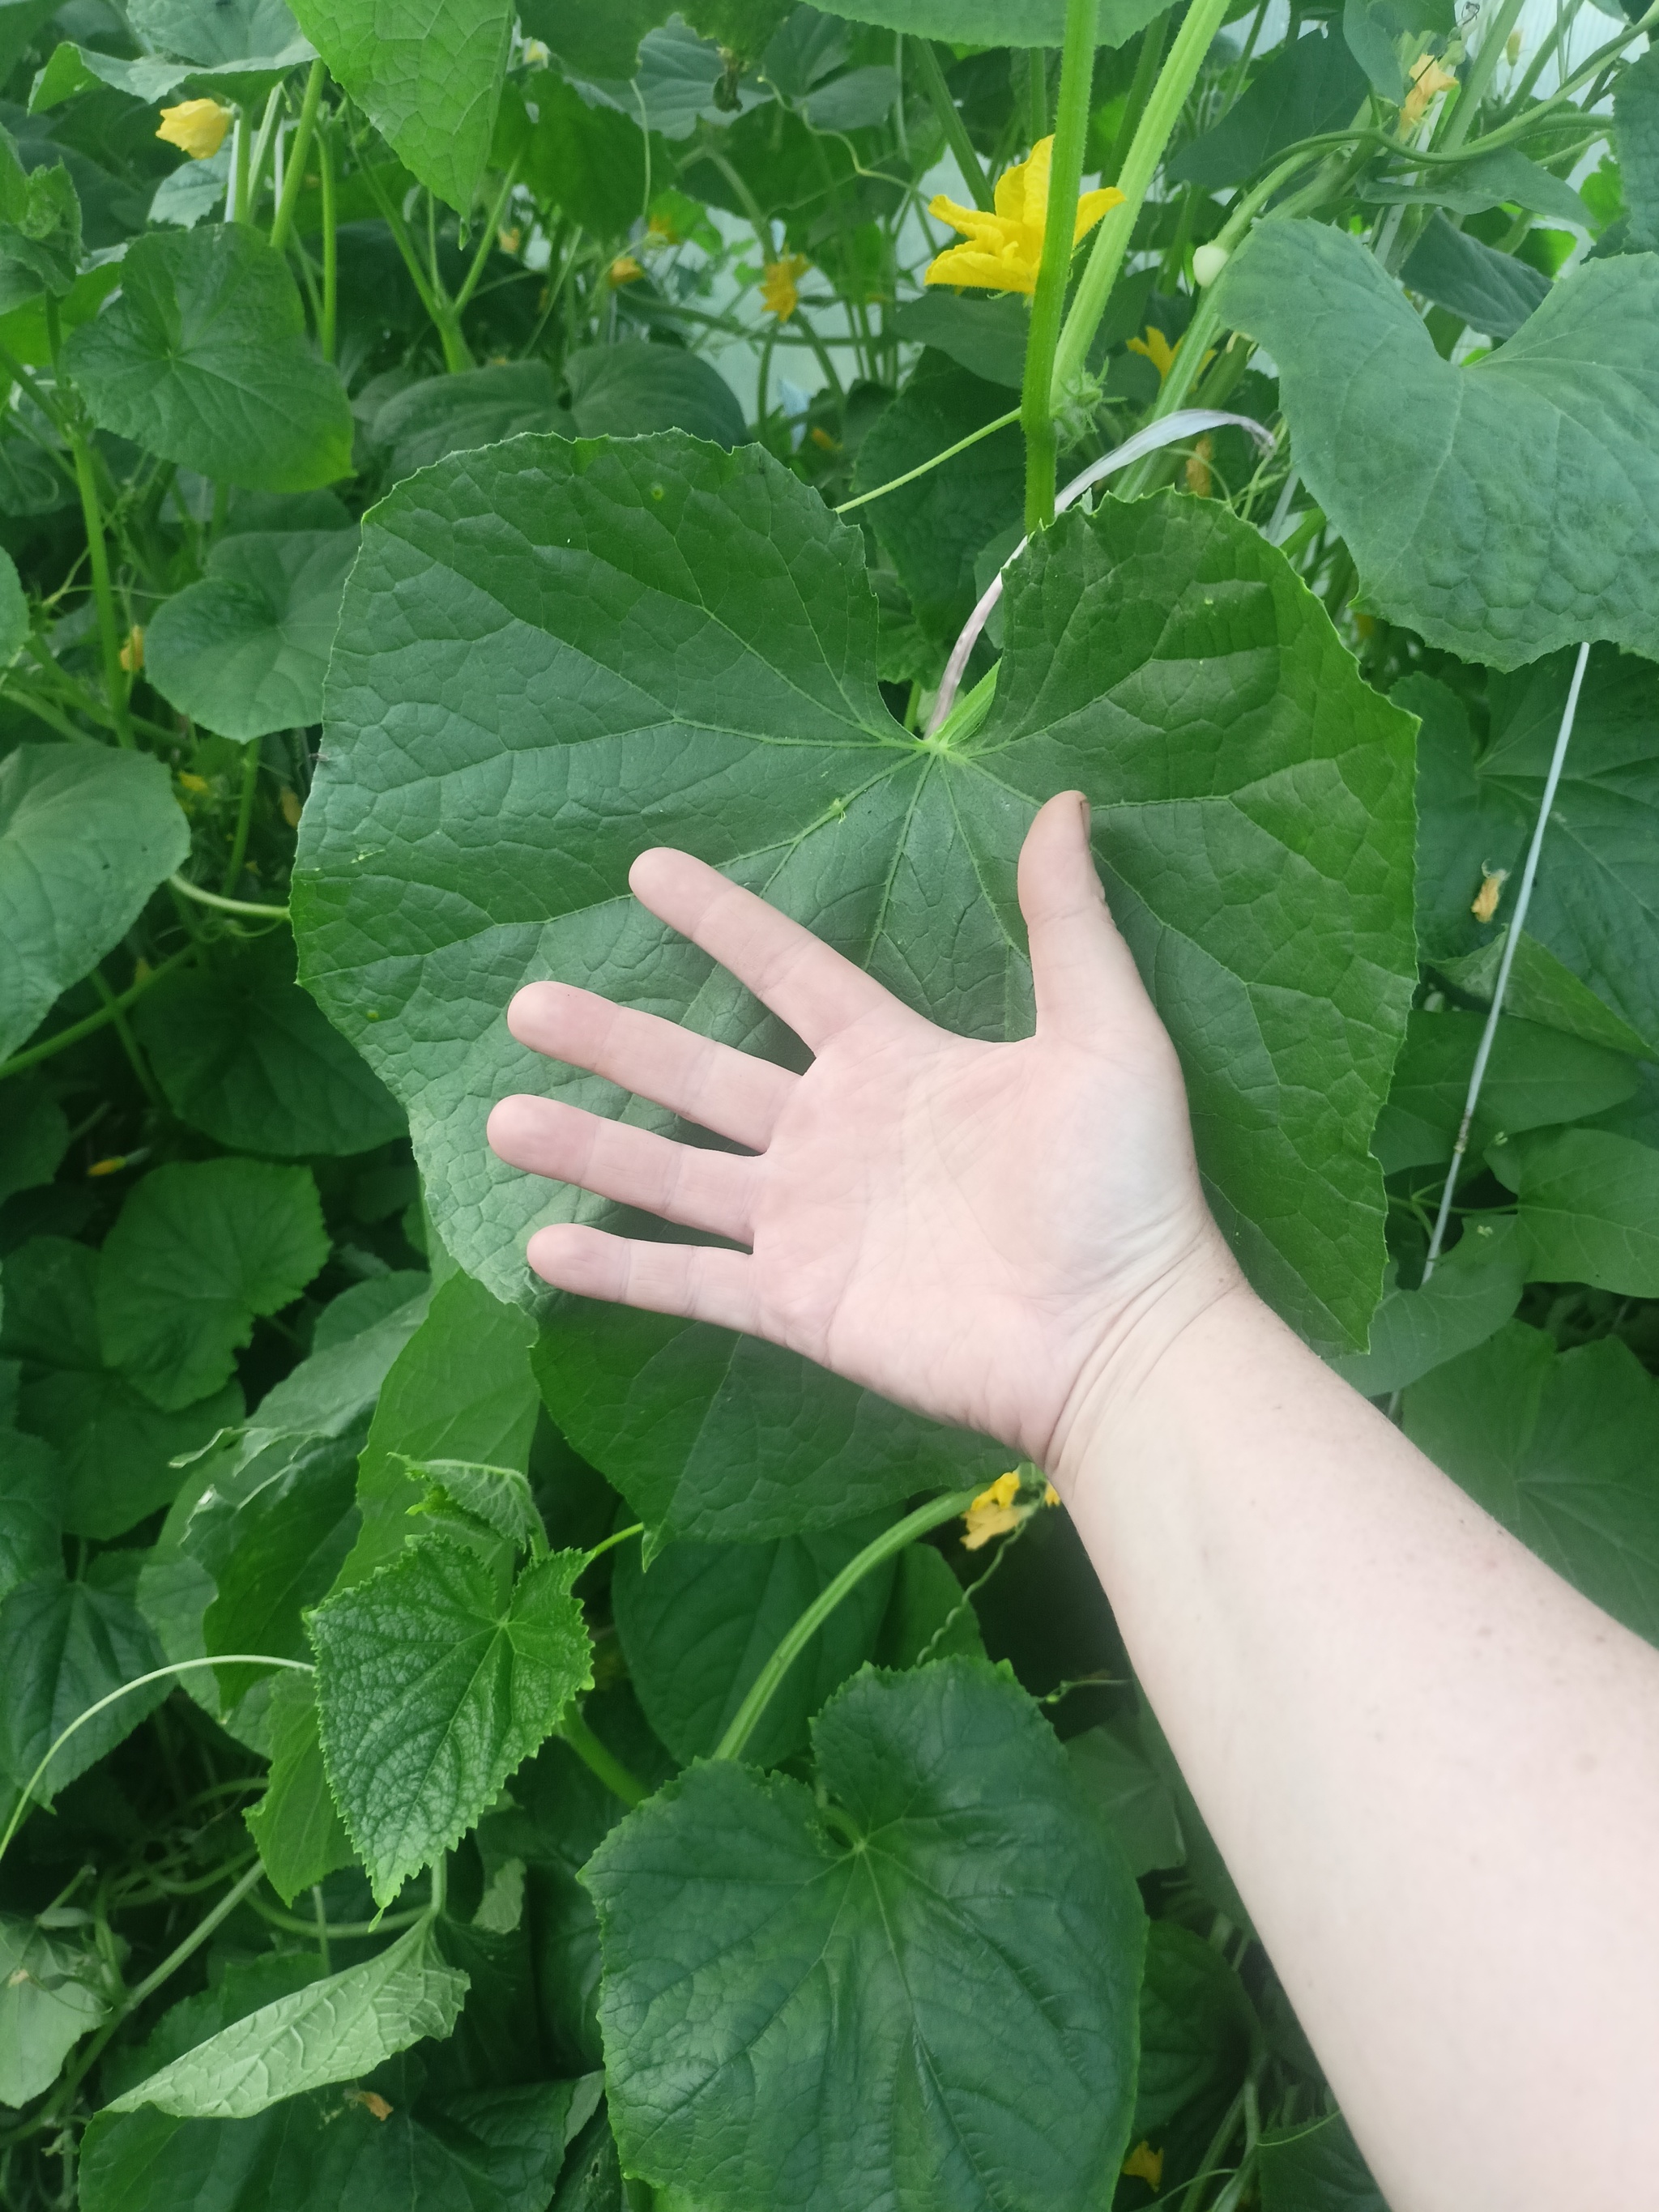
[109,632]
[1140,91]
[599,1760]
[769,1679]
[955,130]
[491,223]
[239,153]
[331,244]
[1482,69]
[299,154]
[227,905]
[1049,301]
[244,817]
[1162,112]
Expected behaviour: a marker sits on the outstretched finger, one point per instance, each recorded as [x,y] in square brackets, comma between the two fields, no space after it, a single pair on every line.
[797,976]
[1080,967]
[732,1093]
[696,1280]
[700,1189]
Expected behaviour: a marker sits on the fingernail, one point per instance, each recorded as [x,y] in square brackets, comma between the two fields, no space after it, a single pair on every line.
[1083,809]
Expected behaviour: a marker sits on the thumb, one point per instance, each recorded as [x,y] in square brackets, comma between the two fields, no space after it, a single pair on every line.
[1080,966]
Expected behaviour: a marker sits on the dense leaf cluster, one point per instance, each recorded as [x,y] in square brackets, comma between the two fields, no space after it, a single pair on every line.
[466,1748]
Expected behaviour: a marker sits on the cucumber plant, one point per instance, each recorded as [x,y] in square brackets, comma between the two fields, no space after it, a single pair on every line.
[466,1747]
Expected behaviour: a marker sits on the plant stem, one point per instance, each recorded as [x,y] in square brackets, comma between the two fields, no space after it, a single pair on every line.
[239,151]
[487,239]
[1140,88]
[244,817]
[1174,82]
[197,1935]
[767,1683]
[330,245]
[118,1022]
[599,1760]
[955,130]
[90,1024]
[262,146]
[298,155]
[109,634]
[923,468]
[1511,942]
[226,905]
[1048,299]
[1482,69]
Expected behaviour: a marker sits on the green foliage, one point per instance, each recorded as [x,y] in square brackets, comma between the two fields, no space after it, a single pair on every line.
[85,837]
[947,1806]
[329,2031]
[270,1370]
[1536,529]
[430,85]
[197,1255]
[246,650]
[203,360]
[432,1685]
[1559,1447]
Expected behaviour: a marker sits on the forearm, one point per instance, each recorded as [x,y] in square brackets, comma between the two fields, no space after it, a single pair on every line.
[1433,1768]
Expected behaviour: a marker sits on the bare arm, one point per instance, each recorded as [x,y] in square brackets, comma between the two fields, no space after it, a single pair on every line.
[1432,1767]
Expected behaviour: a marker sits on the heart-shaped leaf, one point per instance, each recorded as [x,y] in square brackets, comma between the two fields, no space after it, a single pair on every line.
[1501,508]
[949,1954]
[552,655]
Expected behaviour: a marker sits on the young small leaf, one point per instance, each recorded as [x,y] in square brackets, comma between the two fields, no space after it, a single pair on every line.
[330,2031]
[431,1690]
[49,1998]
[1589,1207]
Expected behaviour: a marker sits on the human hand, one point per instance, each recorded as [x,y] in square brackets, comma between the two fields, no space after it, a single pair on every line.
[987,1233]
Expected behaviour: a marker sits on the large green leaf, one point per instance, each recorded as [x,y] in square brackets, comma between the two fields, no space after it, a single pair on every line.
[497,2150]
[948,1953]
[196,1253]
[995,23]
[1304,87]
[33,1137]
[428,79]
[1590,1208]
[330,2030]
[204,360]
[297,1823]
[1130,1794]
[1197,2035]
[623,390]
[63,1647]
[1504,508]
[1564,1449]
[214,31]
[932,530]
[86,834]
[531,629]
[31,1512]
[116,1447]
[245,651]
[697,1626]
[431,1688]
[1636,131]
[49,1998]
[1316,2167]
[274,1517]
[244,1055]
[1491,291]
[449,414]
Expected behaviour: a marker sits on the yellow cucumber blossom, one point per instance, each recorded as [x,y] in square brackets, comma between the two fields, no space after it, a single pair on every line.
[780,281]
[624,269]
[133,652]
[1146,2164]
[196,127]
[1428,80]
[1004,250]
[1157,349]
[998,1510]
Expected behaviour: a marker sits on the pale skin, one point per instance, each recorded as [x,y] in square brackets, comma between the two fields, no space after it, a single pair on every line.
[1432,1767]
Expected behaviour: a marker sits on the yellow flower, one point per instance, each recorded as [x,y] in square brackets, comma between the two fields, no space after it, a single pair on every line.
[1198,469]
[779,280]
[1428,80]
[109,1167]
[1004,249]
[291,804]
[535,55]
[1146,2164]
[510,240]
[1491,890]
[196,127]
[993,1512]
[1161,353]
[624,269]
[133,652]
[196,783]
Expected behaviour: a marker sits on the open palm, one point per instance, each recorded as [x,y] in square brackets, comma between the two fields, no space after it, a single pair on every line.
[973,1230]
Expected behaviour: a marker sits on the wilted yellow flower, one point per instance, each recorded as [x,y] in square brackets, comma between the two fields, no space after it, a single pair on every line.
[196,127]
[510,240]
[372,2102]
[1198,468]
[1428,80]
[779,282]
[113,1165]
[1146,2164]
[1004,250]
[624,269]
[292,806]
[198,784]
[1491,890]
[133,652]
[536,54]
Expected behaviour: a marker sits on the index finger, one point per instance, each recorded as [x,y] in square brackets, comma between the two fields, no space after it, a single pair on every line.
[797,976]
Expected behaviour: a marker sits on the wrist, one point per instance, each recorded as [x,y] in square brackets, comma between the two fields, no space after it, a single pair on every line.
[1138,1354]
